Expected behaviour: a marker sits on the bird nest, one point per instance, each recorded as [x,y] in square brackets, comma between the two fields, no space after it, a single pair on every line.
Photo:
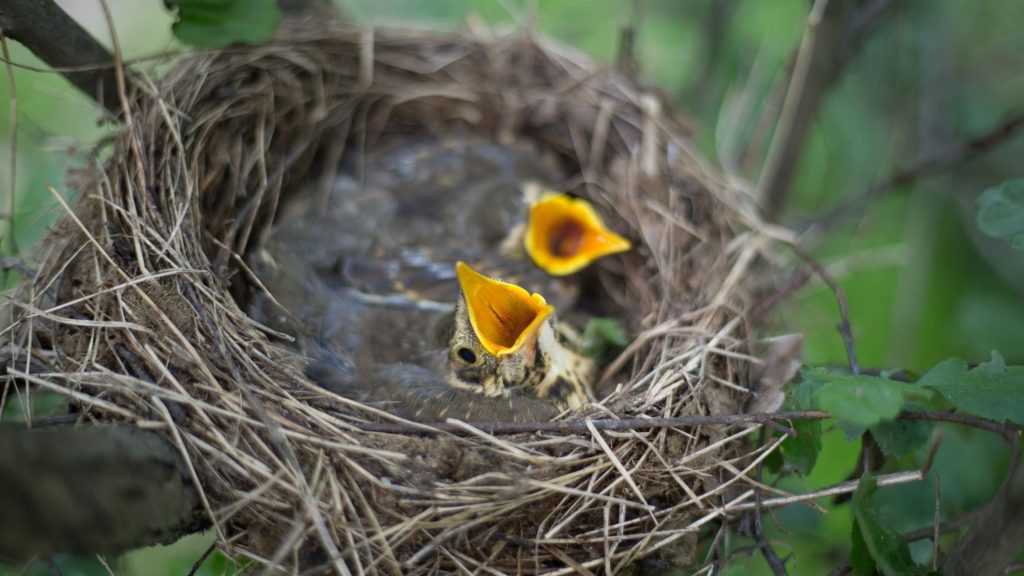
[138,311]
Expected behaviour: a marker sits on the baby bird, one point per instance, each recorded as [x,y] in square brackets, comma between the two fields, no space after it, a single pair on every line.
[563,234]
[504,338]
[499,355]
[363,279]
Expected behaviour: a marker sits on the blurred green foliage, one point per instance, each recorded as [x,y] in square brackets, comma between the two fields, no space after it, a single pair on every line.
[923,282]
[219,23]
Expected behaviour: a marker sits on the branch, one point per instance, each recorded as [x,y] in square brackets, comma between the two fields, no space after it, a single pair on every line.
[91,489]
[937,163]
[844,327]
[626,61]
[778,565]
[53,36]
[996,536]
[812,75]
[832,38]
[580,426]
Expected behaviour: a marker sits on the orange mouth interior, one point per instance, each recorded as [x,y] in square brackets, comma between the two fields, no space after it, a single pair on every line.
[504,316]
[566,234]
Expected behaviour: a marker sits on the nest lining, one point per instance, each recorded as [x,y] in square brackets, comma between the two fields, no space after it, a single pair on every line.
[136,310]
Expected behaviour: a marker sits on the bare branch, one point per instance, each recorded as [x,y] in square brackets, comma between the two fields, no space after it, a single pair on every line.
[778,565]
[92,489]
[996,536]
[53,36]
[834,34]
[199,563]
[836,489]
[845,330]
[580,426]
[925,167]
[812,74]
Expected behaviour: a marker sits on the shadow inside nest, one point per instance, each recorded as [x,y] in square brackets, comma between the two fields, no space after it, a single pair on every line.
[359,270]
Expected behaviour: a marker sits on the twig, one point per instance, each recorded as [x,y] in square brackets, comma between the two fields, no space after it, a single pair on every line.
[954,418]
[627,61]
[774,562]
[14,263]
[834,490]
[580,426]
[930,531]
[777,565]
[811,76]
[947,526]
[714,27]
[862,23]
[14,145]
[120,81]
[996,535]
[199,563]
[831,40]
[796,281]
[924,167]
[53,36]
[933,450]
[844,313]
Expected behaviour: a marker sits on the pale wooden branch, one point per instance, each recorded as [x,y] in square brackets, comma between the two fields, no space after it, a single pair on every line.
[835,32]
[812,73]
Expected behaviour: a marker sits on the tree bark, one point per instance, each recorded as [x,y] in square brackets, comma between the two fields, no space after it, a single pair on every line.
[53,36]
[98,489]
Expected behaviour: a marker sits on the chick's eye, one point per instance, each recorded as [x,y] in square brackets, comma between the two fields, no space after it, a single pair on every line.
[467,355]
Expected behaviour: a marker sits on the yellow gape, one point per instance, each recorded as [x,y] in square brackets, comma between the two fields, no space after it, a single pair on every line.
[504,316]
[565,234]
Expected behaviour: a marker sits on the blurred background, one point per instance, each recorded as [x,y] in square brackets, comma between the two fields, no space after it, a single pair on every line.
[923,284]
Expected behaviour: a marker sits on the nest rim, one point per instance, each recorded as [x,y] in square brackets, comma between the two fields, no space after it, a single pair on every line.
[156,195]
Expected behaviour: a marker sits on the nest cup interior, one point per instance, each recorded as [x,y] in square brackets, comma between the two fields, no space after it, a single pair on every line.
[287,475]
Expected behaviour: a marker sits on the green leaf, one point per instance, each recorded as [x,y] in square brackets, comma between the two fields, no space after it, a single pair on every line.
[602,333]
[859,402]
[994,366]
[860,557]
[898,438]
[218,23]
[991,390]
[1001,212]
[886,547]
[801,451]
[773,462]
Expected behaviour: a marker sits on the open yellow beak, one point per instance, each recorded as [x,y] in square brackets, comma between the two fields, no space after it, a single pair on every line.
[566,234]
[504,316]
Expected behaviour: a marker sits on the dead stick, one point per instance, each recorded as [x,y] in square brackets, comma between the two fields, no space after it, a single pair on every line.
[580,426]
[812,74]
[924,167]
